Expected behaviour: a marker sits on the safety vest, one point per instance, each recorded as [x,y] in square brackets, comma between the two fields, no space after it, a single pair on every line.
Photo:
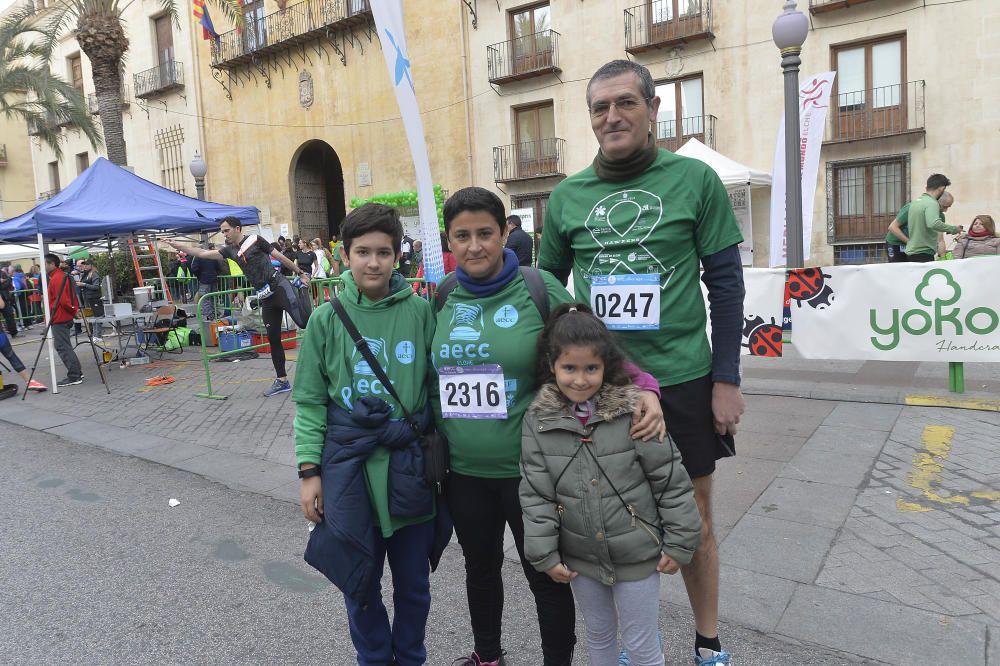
[183,271]
[234,268]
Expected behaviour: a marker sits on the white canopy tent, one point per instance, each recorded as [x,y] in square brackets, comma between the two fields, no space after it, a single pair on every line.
[739,180]
[730,171]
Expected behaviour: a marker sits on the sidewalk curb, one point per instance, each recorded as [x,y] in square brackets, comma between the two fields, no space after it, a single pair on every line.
[820,391]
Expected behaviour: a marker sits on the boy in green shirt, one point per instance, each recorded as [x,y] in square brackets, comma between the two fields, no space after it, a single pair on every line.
[360,462]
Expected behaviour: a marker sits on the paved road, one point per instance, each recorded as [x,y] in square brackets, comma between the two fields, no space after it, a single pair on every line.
[98,569]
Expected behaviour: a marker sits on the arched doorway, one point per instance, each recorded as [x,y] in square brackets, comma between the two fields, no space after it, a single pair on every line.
[317,190]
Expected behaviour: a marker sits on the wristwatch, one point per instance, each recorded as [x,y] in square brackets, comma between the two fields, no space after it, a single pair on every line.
[309,472]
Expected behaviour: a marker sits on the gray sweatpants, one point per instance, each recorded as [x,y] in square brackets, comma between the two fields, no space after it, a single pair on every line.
[632,606]
[64,348]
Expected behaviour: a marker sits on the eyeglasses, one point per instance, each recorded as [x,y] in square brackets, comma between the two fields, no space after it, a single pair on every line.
[624,105]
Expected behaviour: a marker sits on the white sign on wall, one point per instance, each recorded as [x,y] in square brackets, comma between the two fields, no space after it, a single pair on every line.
[364,175]
[527,216]
[939,311]
[283,230]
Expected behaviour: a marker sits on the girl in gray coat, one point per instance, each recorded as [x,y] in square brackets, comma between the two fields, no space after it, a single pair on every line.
[602,511]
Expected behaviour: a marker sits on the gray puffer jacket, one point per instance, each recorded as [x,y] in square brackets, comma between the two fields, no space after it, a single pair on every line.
[966,246]
[569,477]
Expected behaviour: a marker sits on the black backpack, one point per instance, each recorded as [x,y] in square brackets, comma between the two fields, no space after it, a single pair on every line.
[532,278]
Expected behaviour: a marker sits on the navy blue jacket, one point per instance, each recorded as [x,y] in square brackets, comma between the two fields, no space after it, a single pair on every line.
[342,547]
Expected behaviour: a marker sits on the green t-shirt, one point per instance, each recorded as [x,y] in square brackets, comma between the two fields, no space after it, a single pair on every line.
[890,238]
[663,221]
[925,221]
[398,329]
[500,329]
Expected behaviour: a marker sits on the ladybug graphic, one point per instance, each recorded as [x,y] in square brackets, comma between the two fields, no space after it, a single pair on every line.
[809,285]
[762,339]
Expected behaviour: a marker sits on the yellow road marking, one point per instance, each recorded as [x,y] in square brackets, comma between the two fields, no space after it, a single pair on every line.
[983,405]
[926,473]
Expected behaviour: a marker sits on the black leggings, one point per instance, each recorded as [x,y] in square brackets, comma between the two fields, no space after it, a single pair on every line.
[8,353]
[480,507]
[282,300]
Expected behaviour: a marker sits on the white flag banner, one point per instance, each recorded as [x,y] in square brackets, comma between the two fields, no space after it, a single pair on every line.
[763,309]
[937,311]
[814,101]
[389,22]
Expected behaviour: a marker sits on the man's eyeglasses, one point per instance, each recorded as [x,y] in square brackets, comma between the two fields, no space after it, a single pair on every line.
[624,105]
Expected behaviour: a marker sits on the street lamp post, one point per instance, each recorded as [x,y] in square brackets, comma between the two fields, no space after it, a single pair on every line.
[789,32]
[198,170]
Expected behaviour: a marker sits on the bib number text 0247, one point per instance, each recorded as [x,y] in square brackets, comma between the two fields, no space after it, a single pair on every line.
[627,302]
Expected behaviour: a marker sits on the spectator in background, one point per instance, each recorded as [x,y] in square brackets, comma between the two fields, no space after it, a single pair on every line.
[981,241]
[90,291]
[63,307]
[21,286]
[418,255]
[925,221]
[406,255]
[207,271]
[8,309]
[304,257]
[518,240]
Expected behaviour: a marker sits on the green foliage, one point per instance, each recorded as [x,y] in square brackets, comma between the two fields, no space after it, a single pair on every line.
[119,266]
[406,200]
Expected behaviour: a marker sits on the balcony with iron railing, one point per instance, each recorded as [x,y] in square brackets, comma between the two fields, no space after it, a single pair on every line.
[296,24]
[529,160]
[658,24]
[523,57]
[157,80]
[48,194]
[692,127]
[877,112]
[92,99]
[823,6]
[3,154]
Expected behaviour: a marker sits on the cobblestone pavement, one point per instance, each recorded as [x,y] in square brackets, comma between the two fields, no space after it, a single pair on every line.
[925,532]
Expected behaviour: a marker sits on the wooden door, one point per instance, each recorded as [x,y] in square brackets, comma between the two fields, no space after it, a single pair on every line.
[531,47]
[536,144]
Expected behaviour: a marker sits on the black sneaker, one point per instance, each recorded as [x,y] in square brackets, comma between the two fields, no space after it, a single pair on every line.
[70,381]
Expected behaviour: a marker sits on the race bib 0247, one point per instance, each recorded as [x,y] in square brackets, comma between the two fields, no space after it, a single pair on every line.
[627,302]
[472,392]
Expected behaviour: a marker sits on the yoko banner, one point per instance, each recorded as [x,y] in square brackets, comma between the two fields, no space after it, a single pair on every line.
[938,311]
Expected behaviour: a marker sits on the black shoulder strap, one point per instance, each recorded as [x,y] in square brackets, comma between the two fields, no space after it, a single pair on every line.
[445,287]
[532,278]
[536,289]
[362,346]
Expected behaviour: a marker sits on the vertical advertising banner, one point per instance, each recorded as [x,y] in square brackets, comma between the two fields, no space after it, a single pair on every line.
[938,311]
[389,22]
[739,198]
[814,102]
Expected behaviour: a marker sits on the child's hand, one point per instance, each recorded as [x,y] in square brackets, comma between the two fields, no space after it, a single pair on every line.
[667,565]
[560,573]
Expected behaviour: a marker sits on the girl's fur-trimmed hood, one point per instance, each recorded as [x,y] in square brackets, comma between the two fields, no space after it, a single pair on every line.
[610,402]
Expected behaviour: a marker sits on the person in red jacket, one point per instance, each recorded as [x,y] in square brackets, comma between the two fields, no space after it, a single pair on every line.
[63,306]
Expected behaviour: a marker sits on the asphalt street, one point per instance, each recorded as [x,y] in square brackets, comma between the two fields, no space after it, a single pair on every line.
[98,568]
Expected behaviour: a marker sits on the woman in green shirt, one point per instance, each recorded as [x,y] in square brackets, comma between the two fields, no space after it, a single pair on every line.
[484,351]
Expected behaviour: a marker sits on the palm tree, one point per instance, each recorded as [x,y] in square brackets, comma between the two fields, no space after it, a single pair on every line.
[30,92]
[100,31]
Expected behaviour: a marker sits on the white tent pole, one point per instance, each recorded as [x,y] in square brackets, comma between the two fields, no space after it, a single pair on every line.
[48,315]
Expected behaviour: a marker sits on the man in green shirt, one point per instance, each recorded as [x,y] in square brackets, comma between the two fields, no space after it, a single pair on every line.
[635,228]
[925,221]
[896,238]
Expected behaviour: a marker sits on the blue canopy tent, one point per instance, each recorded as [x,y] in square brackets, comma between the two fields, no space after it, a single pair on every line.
[107,201]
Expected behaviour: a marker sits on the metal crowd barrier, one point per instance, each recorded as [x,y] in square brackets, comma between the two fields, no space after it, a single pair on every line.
[321,290]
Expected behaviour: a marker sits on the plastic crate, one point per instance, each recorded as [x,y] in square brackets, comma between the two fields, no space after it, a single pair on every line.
[233,341]
[288,341]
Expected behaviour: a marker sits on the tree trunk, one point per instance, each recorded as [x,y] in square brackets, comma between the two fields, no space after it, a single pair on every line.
[108,87]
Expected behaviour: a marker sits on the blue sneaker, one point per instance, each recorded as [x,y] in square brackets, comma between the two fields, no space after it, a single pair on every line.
[279,386]
[706,657]
[623,658]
